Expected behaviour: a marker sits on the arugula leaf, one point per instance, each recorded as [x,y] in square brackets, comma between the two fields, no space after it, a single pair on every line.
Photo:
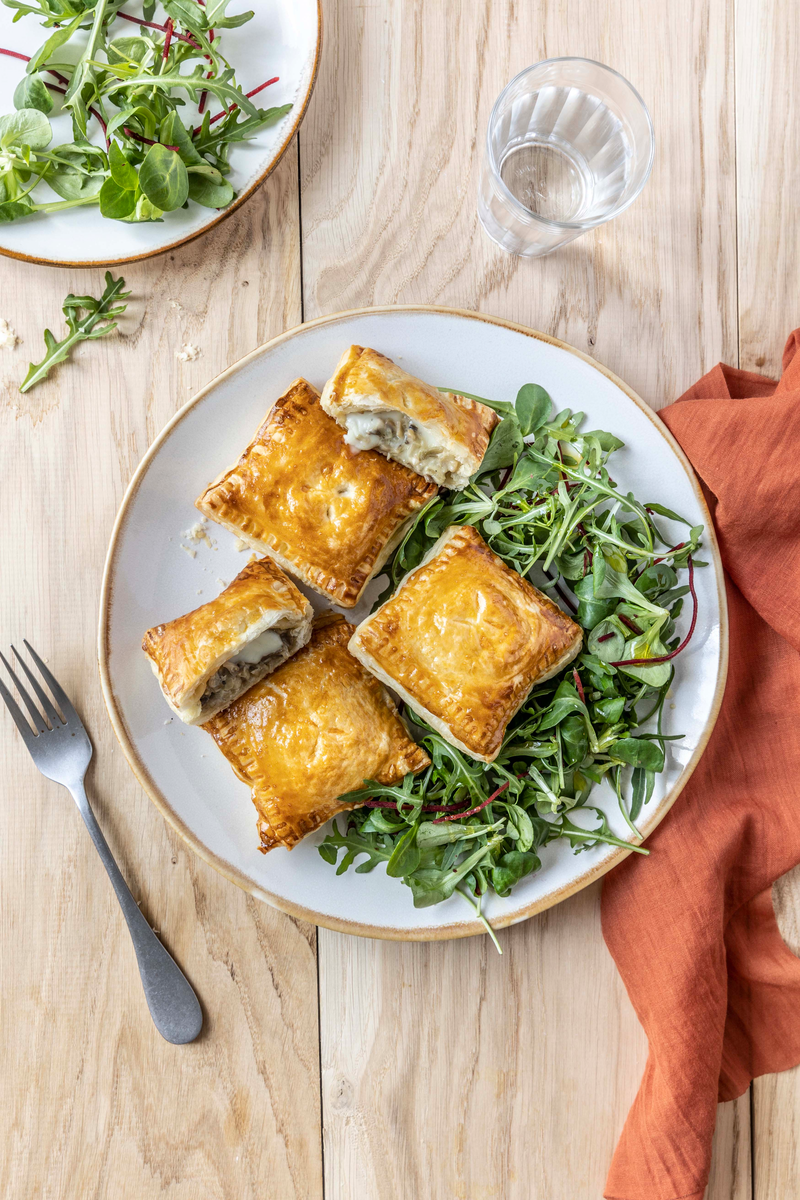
[501,406]
[96,322]
[606,441]
[84,74]
[566,701]
[134,90]
[172,132]
[430,835]
[665,512]
[188,14]
[405,856]
[53,43]
[431,885]
[197,81]
[558,511]
[376,846]
[232,129]
[217,18]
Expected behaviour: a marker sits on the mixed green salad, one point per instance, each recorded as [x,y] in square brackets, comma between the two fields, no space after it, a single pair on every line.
[547,504]
[133,154]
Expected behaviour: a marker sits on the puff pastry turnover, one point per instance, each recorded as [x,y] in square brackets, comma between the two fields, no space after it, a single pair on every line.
[464,639]
[441,435]
[316,728]
[208,658]
[298,493]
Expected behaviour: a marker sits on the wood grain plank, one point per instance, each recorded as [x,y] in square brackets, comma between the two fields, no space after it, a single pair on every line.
[776,1098]
[391,156]
[448,1071]
[451,1072]
[731,1175]
[768,179]
[95,1106]
[768,176]
[490,1088]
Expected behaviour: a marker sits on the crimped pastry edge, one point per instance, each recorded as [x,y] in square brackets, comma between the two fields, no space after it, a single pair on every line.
[280,832]
[346,593]
[358,651]
[345,598]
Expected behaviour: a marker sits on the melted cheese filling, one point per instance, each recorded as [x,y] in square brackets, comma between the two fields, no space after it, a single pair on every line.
[249,665]
[268,642]
[397,436]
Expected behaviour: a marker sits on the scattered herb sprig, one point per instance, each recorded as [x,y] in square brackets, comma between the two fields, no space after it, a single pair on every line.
[546,502]
[87,319]
[128,90]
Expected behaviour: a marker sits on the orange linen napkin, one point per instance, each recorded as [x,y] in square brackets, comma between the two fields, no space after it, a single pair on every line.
[692,928]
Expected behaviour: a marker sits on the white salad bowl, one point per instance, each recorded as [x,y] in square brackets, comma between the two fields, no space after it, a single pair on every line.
[284,38]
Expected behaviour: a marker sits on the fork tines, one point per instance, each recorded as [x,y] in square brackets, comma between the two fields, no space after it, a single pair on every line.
[52,719]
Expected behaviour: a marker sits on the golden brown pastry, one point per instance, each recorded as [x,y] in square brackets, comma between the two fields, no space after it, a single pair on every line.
[316,728]
[206,659]
[464,639]
[298,493]
[442,435]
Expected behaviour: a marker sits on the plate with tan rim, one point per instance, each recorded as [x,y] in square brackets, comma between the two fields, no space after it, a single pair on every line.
[283,39]
[149,577]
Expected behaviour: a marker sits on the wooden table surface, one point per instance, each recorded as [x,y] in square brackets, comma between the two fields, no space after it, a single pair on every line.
[332,1066]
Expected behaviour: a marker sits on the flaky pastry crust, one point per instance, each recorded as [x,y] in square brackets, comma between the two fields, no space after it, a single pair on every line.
[464,639]
[367,381]
[187,652]
[300,494]
[315,729]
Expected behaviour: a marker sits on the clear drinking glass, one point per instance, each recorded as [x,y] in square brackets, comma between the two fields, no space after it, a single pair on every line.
[569,145]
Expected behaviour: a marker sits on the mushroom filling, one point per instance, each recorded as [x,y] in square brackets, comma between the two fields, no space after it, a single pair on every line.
[255,660]
[399,437]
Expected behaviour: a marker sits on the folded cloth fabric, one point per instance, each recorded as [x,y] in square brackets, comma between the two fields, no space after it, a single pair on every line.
[692,928]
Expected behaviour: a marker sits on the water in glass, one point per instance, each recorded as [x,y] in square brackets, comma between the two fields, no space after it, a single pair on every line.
[569,146]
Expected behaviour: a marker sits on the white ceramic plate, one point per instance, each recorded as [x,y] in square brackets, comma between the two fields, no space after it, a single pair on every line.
[283,38]
[150,578]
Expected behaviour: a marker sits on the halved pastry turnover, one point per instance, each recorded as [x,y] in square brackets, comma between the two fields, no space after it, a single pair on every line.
[298,493]
[441,435]
[315,729]
[208,658]
[464,639]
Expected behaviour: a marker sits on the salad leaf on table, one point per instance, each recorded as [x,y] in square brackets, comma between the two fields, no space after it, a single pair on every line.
[546,502]
[87,319]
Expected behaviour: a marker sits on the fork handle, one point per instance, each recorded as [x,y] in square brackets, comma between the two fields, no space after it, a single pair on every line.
[170,997]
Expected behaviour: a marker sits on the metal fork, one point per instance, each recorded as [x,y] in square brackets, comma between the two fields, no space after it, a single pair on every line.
[62,751]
